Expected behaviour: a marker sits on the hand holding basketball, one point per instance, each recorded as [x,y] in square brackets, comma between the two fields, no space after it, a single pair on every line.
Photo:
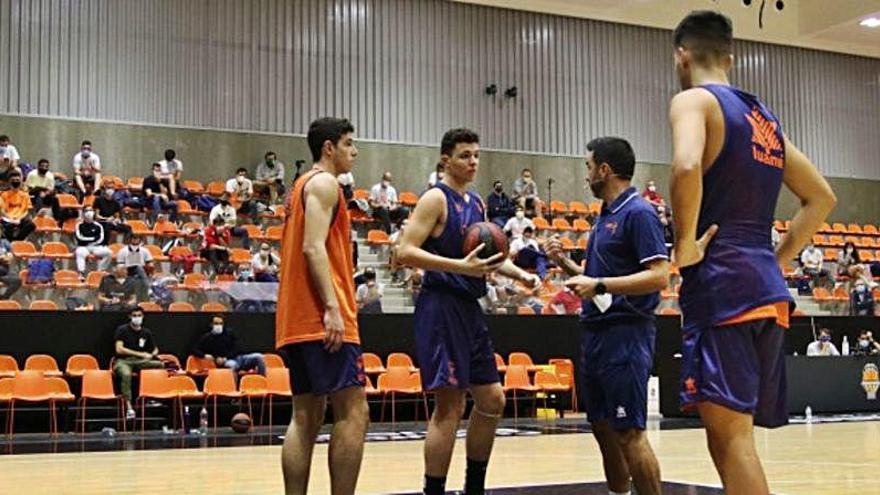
[475,266]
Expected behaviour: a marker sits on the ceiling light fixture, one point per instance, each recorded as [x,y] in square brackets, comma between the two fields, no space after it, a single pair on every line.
[870,22]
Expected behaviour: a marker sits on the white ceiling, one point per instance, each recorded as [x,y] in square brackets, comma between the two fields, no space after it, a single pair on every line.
[831,25]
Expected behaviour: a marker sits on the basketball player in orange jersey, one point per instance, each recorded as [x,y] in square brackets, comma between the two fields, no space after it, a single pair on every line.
[730,159]
[452,340]
[316,329]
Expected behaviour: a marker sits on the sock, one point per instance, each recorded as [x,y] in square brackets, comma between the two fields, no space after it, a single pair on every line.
[475,477]
[434,485]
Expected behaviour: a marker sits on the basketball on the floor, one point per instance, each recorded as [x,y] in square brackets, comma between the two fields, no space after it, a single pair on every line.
[485,233]
[241,423]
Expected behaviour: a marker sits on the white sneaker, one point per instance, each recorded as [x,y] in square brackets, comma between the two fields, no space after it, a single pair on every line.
[130,414]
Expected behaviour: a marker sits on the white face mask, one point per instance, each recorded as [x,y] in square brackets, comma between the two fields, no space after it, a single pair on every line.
[137,320]
[240,179]
[217,329]
[520,215]
[652,188]
[109,192]
[89,215]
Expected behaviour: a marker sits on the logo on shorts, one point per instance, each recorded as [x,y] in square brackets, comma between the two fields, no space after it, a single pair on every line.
[621,412]
[452,379]
[870,380]
[690,386]
[361,374]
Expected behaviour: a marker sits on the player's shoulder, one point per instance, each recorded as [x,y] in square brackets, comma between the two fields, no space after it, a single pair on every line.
[434,195]
[692,98]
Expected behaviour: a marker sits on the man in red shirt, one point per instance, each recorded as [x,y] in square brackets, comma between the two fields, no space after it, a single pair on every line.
[215,246]
[566,302]
[652,196]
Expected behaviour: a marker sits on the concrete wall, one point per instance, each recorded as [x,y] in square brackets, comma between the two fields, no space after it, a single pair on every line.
[127,150]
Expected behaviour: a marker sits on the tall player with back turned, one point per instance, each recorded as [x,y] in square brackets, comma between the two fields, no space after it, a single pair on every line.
[730,159]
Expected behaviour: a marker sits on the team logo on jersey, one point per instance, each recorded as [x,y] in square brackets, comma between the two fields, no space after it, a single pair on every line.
[612,227]
[766,147]
[870,380]
[621,412]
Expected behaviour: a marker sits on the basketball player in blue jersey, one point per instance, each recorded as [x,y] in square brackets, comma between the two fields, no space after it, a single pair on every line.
[453,347]
[627,265]
[730,159]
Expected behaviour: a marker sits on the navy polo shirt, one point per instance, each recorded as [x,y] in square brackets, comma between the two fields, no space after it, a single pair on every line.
[626,236]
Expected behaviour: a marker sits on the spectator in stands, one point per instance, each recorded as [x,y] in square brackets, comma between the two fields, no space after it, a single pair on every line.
[15,206]
[86,169]
[270,177]
[526,254]
[90,240]
[266,264]
[108,211]
[499,206]
[40,184]
[222,346]
[118,291]
[566,302]
[861,299]
[491,303]
[172,170]
[399,272]
[866,346]
[10,282]
[823,346]
[811,259]
[158,193]
[775,236]
[369,294]
[385,205]
[652,196]
[436,176]
[9,158]
[137,260]
[215,245]
[518,223]
[246,273]
[668,231]
[241,191]
[525,192]
[135,351]
[226,211]
[849,264]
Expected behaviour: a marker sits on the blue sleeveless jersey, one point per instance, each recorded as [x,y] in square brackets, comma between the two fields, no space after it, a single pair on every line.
[740,190]
[460,214]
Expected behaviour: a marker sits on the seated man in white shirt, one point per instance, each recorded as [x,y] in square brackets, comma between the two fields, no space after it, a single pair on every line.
[226,211]
[369,294]
[386,207]
[9,158]
[823,346]
[172,170]
[527,254]
[270,177]
[87,169]
[811,258]
[241,191]
[266,264]
[518,223]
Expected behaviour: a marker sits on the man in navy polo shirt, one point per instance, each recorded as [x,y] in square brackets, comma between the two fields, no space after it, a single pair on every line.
[627,265]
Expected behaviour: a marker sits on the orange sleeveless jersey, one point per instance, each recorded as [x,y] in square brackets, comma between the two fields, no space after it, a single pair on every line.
[300,313]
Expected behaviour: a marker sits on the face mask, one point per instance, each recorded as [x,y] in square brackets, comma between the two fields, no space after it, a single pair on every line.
[849,250]
[240,179]
[108,193]
[137,320]
[217,329]
[134,247]
[527,179]
[498,189]
[86,153]
[385,183]
[245,273]
[89,215]
[264,254]
[15,184]
[861,288]
[652,189]
[42,171]
[2,149]
[824,338]
[864,344]
[270,163]
[520,215]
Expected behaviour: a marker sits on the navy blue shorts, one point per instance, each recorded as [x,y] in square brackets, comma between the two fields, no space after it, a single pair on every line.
[315,371]
[616,361]
[452,342]
[741,367]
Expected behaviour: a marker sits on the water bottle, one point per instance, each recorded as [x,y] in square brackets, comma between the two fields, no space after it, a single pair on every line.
[203,422]
[185,419]
[808,414]
[844,348]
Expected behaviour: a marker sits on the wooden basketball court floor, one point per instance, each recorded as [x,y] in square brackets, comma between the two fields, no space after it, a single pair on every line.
[837,458]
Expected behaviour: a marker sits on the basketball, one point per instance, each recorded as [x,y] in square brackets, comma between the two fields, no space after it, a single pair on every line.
[241,423]
[488,233]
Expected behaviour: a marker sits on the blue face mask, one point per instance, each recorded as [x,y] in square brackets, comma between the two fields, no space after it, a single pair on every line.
[824,338]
